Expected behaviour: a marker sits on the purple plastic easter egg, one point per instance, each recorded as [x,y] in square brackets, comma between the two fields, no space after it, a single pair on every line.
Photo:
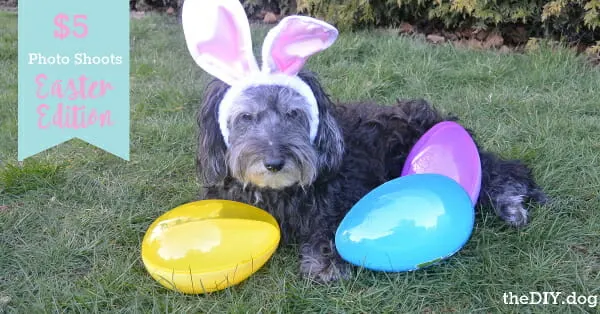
[447,149]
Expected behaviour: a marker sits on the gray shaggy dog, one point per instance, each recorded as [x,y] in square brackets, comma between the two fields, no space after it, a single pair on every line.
[310,186]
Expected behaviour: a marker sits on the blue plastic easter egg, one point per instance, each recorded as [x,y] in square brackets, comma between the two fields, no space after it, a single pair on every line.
[406,224]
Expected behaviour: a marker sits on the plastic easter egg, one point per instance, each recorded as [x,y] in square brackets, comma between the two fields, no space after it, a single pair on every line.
[406,224]
[209,245]
[447,149]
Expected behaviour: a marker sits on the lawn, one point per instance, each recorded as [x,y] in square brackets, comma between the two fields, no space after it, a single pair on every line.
[72,218]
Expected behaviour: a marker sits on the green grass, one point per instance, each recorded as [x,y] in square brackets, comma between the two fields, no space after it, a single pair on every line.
[72,218]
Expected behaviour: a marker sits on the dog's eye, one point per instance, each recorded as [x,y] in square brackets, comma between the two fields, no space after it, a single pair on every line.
[246,117]
[292,113]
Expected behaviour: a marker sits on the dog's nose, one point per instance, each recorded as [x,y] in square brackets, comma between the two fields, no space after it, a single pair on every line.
[274,164]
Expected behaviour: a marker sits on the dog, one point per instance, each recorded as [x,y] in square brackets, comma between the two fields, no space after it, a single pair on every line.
[310,186]
[270,136]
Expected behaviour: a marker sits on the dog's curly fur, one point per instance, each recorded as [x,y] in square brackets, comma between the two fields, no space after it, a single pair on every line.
[358,147]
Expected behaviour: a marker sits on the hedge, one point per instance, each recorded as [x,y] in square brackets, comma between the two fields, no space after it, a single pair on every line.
[576,21]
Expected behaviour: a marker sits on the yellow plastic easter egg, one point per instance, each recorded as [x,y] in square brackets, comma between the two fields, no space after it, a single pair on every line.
[209,245]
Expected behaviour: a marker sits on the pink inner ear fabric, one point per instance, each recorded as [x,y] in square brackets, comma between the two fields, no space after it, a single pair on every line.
[295,43]
[228,36]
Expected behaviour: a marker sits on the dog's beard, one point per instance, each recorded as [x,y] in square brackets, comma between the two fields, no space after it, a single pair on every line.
[246,162]
[258,175]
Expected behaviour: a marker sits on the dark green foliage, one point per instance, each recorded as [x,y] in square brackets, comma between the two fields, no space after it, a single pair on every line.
[570,20]
[254,7]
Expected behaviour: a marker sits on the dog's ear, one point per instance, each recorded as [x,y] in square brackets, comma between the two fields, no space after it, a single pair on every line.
[329,141]
[210,157]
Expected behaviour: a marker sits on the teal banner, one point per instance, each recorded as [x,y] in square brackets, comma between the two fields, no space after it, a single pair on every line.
[73,74]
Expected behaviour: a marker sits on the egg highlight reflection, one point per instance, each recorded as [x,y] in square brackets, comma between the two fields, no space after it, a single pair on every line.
[447,149]
[209,245]
[407,223]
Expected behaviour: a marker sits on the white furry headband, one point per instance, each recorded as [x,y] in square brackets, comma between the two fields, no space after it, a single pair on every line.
[218,37]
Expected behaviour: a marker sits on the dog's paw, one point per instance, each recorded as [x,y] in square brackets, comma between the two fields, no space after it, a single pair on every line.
[511,209]
[321,263]
[511,205]
[324,271]
[508,186]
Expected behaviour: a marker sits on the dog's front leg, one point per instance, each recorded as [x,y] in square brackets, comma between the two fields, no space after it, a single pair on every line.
[320,260]
[506,186]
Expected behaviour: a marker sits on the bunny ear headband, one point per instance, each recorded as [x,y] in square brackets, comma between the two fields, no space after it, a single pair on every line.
[217,34]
